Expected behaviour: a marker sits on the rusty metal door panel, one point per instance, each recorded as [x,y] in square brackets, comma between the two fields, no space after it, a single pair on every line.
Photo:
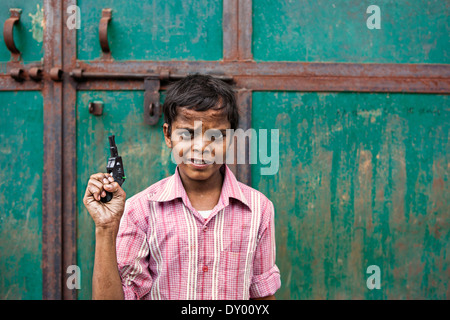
[153,30]
[28,34]
[336,31]
[21,160]
[374,163]
[362,180]
[146,158]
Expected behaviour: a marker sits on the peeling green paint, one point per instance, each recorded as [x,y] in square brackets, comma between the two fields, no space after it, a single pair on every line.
[153,30]
[37,22]
[336,31]
[363,180]
[21,128]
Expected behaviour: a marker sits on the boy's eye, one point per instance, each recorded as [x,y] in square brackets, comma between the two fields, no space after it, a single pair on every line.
[213,135]
[181,133]
[185,134]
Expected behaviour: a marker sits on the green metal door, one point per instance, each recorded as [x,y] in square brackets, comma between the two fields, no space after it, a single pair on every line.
[362,181]
[363,177]
[21,136]
[21,160]
[362,116]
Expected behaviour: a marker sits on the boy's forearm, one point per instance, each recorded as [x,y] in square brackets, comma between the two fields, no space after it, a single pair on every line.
[106,282]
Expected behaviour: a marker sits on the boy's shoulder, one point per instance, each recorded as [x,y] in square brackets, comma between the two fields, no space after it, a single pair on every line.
[252,195]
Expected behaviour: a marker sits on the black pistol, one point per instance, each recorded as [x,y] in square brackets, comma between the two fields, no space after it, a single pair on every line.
[114,167]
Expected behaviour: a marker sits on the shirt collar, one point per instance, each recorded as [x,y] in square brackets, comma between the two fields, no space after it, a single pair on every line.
[174,189]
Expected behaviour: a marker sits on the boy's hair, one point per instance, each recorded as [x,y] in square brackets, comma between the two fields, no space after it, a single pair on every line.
[200,93]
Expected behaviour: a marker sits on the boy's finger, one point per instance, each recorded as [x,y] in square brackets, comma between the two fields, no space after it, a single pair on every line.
[95,192]
[109,176]
[99,176]
[112,187]
[96,183]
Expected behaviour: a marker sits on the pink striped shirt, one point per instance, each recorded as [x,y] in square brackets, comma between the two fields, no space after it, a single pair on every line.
[167,250]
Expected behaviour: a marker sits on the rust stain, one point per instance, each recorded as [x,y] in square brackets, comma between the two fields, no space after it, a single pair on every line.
[438,183]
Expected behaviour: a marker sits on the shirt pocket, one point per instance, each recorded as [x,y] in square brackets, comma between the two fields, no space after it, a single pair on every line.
[232,274]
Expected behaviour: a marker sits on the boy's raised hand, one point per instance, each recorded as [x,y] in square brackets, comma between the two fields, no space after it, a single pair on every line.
[105,215]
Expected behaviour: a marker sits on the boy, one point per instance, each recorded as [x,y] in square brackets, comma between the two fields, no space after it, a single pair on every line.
[198,234]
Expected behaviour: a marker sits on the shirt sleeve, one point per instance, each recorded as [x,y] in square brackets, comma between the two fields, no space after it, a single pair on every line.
[266,275]
[133,254]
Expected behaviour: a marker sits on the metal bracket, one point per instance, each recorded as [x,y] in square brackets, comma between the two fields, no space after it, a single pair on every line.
[96,108]
[17,74]
[35,73]
[56,74]
[152,106]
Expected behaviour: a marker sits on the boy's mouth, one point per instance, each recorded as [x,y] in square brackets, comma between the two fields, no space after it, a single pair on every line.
[199,163]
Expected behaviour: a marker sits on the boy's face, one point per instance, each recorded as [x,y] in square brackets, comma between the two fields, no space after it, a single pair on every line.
[198,140]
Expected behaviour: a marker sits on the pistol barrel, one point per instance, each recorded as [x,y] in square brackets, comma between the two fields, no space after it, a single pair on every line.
[113,147]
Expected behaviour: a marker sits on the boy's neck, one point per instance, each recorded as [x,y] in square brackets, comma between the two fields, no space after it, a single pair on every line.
[203,194]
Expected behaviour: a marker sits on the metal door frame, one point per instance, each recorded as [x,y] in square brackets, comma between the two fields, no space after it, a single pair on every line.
[59,90]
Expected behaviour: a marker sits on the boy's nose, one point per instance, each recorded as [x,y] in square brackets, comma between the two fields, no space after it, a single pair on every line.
[199,142]
[200,146]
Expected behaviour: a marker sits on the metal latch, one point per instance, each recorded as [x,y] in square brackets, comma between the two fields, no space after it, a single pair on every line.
[152,85]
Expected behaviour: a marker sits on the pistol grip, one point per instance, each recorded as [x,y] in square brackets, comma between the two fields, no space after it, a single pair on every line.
[107,198]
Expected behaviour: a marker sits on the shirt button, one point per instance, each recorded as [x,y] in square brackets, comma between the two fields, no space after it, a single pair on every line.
[205,228]
[205,269]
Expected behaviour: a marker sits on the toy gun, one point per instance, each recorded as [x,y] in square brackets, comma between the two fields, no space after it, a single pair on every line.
[114,167]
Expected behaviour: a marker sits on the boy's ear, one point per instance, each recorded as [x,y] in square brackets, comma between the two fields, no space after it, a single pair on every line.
[167,138]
